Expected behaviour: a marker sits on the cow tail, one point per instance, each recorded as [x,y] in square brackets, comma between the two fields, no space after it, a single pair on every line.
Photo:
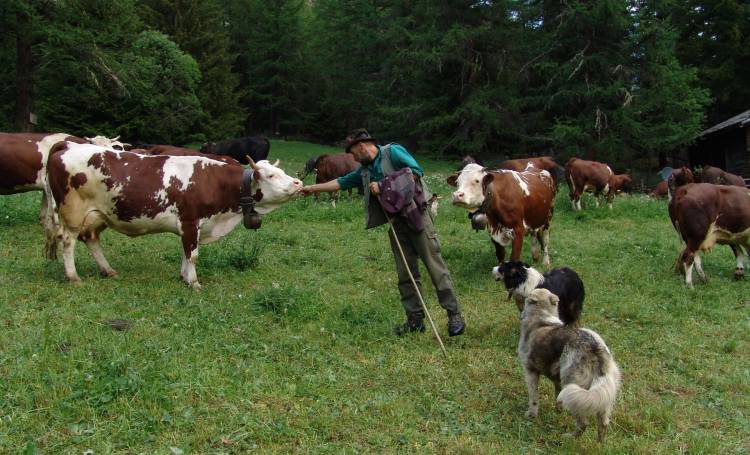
[599,398]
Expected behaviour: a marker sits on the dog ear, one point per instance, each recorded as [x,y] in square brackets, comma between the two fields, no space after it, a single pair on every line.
[554,299]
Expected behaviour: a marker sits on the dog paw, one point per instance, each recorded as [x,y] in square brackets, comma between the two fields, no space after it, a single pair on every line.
[531,414]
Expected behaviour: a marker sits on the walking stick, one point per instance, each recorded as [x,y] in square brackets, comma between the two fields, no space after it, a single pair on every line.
[413,281]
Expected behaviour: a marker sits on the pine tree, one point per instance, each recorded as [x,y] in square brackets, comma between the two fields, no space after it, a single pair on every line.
[200,28]
[269,61]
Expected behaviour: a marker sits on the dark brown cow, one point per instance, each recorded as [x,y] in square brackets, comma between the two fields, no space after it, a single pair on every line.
[591,176]
[195,197]
[659,190]
[705,214]
[23,161]
[718,176]
[514,203]
[618,183]
[328,167]
[540,162]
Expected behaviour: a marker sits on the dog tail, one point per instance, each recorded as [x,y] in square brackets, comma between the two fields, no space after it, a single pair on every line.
[599,398]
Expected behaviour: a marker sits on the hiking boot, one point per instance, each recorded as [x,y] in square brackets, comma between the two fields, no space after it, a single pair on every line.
[456,324]
[414,323]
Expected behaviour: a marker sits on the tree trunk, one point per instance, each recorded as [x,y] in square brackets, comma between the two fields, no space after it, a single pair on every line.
[23,71]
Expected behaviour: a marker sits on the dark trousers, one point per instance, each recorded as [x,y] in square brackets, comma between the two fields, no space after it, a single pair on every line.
[425,246]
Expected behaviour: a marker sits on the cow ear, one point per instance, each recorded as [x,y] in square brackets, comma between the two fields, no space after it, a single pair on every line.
[486,181]
[256,175]
[452,180]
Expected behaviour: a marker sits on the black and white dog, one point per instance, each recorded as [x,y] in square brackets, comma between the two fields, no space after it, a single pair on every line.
[520,279]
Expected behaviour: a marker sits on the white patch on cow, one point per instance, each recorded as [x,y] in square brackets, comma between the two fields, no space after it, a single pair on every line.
[218,226]
[182,169]
[43,147]
[719,235]
[503,235]
[520,179]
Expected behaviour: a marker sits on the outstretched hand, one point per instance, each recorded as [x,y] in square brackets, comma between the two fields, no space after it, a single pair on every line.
[374,188]
[307,190]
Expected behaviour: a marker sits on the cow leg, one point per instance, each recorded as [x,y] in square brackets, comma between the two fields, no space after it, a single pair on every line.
[687,258]
[499,252]
[68,239]
[610,198]
[739,255]
[47,219]
[543,235]
[534,247]
[95,248]
[515,253]
[190,255]
[334,196]
[699,267]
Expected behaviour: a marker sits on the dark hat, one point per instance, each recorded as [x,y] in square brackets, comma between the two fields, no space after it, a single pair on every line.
[357,136]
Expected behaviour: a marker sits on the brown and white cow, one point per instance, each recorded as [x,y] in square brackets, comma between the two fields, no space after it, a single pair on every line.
[705,214]
[195,197]
[23,161]
[718,176]
[540,162]
[514,204]
[591,176]
[328,167]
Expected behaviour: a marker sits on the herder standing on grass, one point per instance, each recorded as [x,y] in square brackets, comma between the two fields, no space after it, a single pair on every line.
[379,169]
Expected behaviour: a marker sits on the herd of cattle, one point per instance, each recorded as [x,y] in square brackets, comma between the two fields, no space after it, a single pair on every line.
[89,184]
[518,197]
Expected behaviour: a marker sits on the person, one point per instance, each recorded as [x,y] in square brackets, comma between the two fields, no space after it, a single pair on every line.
[377,162]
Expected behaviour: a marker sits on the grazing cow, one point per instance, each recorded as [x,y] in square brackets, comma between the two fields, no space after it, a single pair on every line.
[705,214]
[591,176]
[329,167]
[195,197]
[540,162]
[23,162]
[718,176]
[618,183]
[514,203]
[659,190]
[256,147]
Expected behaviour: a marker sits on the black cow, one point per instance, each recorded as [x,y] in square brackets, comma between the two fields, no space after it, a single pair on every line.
[256,147]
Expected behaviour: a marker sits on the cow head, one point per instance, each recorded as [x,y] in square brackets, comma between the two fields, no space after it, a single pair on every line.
[208,147]
[469,192]
[104,141]
[309,167]
[272,186]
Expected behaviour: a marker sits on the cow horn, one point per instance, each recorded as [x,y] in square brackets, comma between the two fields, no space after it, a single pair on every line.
[252,163]
[115,138]
[276,164]
[87,138]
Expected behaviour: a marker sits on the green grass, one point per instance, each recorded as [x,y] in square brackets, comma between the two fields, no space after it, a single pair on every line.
[288,347]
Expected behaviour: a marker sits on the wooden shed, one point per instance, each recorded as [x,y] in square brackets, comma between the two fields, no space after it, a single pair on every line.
[726,145]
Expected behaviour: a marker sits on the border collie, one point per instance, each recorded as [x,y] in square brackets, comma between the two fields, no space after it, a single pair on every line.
[520,279]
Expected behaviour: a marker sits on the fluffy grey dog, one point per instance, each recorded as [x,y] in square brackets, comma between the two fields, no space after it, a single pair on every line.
[577,361]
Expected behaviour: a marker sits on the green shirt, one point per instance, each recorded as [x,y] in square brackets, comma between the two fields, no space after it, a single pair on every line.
[400,159]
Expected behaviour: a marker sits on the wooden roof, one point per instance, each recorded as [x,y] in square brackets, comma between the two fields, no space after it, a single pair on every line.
[738,121]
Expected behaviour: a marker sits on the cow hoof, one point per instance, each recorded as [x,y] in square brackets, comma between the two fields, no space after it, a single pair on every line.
[195,286]
[108,273]
[75,281]
[531,414]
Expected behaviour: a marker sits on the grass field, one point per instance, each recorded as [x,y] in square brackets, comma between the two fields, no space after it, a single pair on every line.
[288,347]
